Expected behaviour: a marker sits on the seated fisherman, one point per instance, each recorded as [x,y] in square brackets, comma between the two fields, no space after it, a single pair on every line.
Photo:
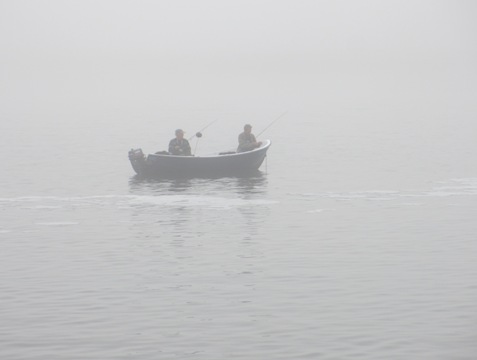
[179,145]
[247,140]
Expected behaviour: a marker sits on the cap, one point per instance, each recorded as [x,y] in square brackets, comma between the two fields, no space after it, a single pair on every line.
[179,131]
[247,126]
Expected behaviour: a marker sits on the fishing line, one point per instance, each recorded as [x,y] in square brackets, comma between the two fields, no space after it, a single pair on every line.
[273,122]
[198,133]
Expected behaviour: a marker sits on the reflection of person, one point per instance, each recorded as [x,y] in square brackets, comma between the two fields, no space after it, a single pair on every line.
[247,140]
[179,145]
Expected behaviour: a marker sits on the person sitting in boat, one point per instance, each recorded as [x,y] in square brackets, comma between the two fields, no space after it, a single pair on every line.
[179,145]
[247,140]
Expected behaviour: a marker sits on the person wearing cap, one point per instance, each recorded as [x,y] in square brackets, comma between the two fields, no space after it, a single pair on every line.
[179,145]
[247,140]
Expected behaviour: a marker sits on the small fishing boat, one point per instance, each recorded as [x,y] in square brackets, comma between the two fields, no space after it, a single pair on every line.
[228,163]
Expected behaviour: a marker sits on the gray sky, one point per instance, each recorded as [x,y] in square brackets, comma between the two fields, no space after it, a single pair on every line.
[61,57]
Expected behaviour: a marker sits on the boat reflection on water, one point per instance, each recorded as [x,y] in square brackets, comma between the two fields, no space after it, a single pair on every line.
[190,212]
[245,185]
[141,184]
[251,184]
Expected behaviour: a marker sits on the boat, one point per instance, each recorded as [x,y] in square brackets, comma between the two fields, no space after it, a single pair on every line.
[229,163]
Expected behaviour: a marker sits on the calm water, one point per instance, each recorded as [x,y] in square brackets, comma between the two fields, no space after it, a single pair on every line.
[357,241]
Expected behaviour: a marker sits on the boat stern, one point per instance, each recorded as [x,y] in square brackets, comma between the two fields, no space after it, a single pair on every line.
[137,159]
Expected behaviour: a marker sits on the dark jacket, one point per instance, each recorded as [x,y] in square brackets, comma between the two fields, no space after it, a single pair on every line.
[179,147]
[246,142]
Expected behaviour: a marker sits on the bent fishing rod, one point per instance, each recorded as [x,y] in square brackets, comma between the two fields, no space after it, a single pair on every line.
[273,122]
[199,133]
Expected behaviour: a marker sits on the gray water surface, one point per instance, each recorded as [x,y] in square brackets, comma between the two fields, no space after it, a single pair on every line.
[307,260]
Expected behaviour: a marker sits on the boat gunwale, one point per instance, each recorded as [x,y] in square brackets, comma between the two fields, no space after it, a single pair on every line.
[265,145]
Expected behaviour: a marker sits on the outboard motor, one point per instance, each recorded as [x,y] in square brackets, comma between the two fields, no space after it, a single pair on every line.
[137,159]
[136,154]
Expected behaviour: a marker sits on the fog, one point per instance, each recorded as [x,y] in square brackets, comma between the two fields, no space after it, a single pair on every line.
[356,239]
[67,59]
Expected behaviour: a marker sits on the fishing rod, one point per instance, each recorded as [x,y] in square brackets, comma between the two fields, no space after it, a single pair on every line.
[199,133]
[273,122]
